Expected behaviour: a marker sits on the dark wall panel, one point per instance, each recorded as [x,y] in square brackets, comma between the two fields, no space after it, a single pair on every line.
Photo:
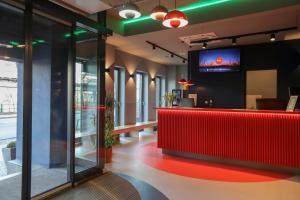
[228,90]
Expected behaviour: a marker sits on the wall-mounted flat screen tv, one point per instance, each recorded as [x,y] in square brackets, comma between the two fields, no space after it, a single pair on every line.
[219,60]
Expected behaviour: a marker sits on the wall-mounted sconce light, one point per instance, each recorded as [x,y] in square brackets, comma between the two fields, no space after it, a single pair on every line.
[153,79]
[107,70]
[131,75]
[273,37]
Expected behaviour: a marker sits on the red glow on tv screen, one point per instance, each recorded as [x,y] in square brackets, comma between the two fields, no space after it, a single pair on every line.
[220,60]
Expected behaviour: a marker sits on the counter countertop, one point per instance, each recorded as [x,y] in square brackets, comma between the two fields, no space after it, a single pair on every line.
[228,110]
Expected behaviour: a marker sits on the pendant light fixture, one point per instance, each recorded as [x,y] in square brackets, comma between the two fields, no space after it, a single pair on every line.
[175,19]
[182,81]
[159,12]
[190,83]
[129,11]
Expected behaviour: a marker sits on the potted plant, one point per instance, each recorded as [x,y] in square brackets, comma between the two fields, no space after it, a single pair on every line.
[109,139]
[169,98]
[9,152]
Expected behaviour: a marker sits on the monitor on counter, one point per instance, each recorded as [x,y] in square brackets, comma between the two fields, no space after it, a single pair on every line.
[219,60]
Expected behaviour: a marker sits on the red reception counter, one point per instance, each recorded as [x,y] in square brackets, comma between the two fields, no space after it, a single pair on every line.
[261,137]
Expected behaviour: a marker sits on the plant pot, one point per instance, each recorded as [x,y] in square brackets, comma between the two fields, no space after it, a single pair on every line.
[9,154]
[108,155]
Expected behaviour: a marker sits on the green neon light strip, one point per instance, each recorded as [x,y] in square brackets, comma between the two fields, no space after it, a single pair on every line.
[75,33]
[17,44]
[14,43]
[190,7]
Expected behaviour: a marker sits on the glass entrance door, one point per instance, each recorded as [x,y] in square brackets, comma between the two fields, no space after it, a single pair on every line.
[86,101]
[51,122]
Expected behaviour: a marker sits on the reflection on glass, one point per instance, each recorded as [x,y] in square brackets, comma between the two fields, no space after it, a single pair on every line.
[49,100]
[86,101]
[11,85]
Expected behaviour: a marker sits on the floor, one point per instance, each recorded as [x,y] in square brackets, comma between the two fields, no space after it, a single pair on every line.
[42,180]
[107,187]
[127,160]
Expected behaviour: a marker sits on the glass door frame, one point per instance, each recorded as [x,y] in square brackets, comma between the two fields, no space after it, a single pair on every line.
[48,9]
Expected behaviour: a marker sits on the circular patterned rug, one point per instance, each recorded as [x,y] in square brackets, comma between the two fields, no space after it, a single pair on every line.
[153,157]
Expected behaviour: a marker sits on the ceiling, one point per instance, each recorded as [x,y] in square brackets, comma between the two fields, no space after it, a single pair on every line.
[169,38]
[225,18]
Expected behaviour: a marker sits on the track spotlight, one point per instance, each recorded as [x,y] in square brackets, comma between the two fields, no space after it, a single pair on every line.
[273,37]
[234,41]
[172,55]
[183,61]
[153,47]
[204,45]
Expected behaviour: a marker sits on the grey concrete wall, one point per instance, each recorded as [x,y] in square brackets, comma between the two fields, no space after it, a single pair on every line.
[131,64]
[174,74]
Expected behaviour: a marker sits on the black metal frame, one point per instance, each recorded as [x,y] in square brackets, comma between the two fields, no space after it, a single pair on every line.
[66,15]
[27,103]
[71,112]
[101,51]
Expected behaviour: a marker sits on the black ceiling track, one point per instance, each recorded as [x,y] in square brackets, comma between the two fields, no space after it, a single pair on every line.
[245,35]
[166,50]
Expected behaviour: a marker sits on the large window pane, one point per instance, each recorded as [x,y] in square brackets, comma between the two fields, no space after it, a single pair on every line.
[11,86]
[49,104]
[139,97]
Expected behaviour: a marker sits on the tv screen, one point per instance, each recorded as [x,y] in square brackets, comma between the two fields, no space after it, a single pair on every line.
[220,60]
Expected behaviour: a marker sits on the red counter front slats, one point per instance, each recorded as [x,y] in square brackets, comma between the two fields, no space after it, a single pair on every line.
[262,137]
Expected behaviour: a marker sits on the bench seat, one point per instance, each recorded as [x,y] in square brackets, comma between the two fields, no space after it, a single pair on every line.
[134,127]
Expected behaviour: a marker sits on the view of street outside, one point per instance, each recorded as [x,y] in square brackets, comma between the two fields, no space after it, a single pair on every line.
[8,108]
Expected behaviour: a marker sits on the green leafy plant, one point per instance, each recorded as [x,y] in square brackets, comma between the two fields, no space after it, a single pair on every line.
[109,121]
[169,98]
[11,145]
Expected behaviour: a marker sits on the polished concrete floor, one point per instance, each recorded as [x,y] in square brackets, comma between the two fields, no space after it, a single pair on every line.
[126,161]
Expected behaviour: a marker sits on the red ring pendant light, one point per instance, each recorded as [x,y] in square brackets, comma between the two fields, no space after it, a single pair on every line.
[182,81]
[159,12]
[175,19]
